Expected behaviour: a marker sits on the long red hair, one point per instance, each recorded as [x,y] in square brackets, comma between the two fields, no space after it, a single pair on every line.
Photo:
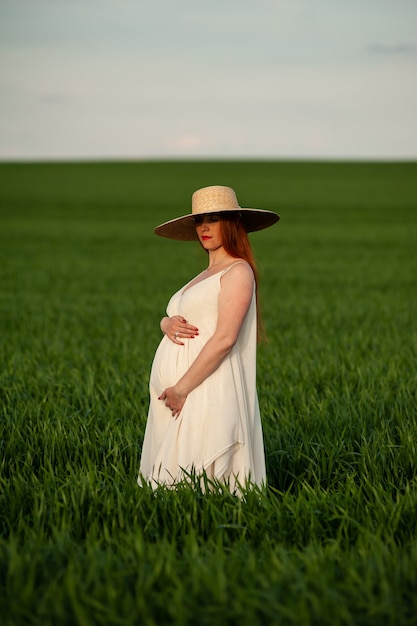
[236,243]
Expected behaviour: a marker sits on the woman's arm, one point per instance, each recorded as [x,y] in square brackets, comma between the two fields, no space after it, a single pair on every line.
[234,301]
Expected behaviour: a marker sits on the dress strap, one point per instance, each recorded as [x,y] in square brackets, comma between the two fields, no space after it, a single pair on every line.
[232,265]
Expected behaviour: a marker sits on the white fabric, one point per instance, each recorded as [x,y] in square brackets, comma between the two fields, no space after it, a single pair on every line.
[219,427]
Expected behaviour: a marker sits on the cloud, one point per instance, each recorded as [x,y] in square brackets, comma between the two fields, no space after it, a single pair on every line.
[401,48]
[54,98]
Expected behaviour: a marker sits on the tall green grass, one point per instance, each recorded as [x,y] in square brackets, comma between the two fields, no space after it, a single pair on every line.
[84,283]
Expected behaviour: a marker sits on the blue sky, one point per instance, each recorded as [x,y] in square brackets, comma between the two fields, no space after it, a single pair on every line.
[231,78]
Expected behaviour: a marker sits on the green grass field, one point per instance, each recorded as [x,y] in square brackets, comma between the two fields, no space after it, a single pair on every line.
[83,285]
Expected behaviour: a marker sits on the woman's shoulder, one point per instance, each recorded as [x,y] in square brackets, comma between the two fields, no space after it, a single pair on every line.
[239,270]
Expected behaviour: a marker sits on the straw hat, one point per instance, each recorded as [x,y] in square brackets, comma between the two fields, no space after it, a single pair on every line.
[216,199]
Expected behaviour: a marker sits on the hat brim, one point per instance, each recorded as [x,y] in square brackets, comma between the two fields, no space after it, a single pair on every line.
[183,228]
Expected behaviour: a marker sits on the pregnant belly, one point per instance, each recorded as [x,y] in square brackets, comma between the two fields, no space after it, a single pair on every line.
[172,361]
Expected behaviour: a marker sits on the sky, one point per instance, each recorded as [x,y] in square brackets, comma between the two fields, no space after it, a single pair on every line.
[150,79]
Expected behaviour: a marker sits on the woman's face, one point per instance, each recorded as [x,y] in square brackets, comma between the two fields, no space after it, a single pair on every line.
[209,231]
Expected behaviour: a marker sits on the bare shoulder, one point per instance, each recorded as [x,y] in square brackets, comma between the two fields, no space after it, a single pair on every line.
[239,272]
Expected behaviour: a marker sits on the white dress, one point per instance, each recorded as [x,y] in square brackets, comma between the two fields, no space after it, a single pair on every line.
[219,429]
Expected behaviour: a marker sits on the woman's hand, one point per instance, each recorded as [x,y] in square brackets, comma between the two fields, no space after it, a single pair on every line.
[174,400]
[177,328]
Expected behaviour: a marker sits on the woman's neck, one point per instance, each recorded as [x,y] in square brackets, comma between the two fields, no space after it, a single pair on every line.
[217,258]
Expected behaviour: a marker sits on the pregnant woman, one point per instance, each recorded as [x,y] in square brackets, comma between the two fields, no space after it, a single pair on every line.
[204,413]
